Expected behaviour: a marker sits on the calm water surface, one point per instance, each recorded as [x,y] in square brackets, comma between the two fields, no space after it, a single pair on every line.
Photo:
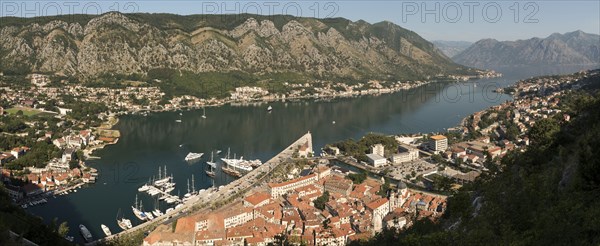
[148,143]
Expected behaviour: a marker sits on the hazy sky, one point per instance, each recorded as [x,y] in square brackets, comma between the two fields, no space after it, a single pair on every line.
[434,20]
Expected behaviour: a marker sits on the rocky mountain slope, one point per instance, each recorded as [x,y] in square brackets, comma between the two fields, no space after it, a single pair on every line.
[116,43]
[451,48]
[574,48]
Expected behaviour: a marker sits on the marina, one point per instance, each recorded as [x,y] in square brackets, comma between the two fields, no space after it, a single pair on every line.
[151,142]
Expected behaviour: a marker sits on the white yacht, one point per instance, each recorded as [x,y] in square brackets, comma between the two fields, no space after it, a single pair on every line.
[106,230]
[193,156]
[144,187]
[137,212]
[149,215]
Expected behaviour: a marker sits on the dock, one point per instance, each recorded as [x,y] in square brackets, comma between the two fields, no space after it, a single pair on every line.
[227,191]
[163,193]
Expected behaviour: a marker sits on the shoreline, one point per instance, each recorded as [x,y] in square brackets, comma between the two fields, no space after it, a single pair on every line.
[279,97]
[107,125]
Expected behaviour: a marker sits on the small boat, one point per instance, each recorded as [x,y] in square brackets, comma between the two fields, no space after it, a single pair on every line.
[106,230]
[219,151]
[157,213]
[144,187]
[181,145]
[193,156]
[203,113]
[189,193]
[69,238]
[333,122]
[178,121]
[169,210]
[210,173]
[149,215]
[87,235]
[124,223]
[269,109]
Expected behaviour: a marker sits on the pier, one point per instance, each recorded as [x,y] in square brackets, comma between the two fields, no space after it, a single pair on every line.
[225,192]
[166,194]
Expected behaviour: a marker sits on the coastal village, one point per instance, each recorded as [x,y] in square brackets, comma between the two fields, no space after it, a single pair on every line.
[320,204]
[77,134]
[315,202]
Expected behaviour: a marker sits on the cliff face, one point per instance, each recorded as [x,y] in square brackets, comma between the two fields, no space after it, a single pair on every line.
[116,43]
[574,48]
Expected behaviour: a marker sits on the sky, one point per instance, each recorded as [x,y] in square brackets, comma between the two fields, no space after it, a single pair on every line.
[433,20]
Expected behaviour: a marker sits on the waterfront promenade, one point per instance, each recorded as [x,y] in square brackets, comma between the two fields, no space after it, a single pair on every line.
[223,193]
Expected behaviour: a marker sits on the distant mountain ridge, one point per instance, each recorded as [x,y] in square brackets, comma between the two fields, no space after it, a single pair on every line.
[573,48]
[451,48]
[115,43]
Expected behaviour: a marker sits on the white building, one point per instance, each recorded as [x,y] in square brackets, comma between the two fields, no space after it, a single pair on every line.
[438,143]
[237,217]
[380,208]
[407,153]
[378,149]
[278,189]
[376,160]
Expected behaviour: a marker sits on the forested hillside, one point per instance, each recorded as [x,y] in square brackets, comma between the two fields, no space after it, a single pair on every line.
[547,195]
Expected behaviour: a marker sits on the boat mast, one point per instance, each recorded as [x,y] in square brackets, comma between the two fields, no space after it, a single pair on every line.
[193,186]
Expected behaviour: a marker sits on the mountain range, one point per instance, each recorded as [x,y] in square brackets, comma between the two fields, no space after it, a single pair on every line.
[573,48]
[115,43]
[451,48]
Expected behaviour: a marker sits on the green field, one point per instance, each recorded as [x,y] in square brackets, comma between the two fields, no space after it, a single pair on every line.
[26,111]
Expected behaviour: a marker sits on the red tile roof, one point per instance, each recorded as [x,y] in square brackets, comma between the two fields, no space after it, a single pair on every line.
[377,203]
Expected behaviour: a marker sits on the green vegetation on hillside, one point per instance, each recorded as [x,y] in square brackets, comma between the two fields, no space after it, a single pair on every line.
[359,149]
[32,228]
[547,195]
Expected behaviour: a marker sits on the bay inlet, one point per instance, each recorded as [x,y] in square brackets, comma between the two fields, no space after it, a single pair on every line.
[151,142]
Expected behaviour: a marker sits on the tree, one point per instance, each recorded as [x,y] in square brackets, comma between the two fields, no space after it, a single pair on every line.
[63,229]
[80,155]
[20,112]
[437,158]
[543,131]
[320,201]
[357,178]
[383,190]
[442,183]
[73,164]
